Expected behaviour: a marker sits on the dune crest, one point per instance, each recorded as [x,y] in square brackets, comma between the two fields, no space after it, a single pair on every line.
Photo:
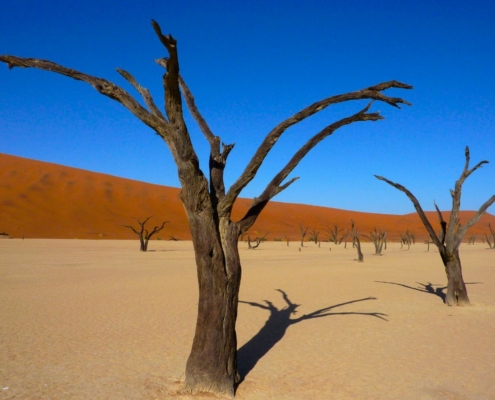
[45,200]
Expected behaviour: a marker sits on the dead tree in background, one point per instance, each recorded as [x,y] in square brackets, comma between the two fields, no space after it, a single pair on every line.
[451,235]
[303,231]
[472,239]
[407,238]
[411,237]
[287,240]
[314,236]
[427,242]
[335,234]
[354,234]
[212,363]
[144,234]
[379,239]
[491,239]
[257,240]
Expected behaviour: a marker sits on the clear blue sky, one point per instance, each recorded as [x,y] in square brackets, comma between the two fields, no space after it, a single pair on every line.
[252,64]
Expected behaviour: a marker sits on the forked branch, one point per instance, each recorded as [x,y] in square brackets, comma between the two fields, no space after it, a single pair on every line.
[276,186]
[103,86]
[370,93]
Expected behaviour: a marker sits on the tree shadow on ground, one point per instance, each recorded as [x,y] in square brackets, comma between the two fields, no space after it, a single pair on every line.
[428,288]
[424,288]
[277,324]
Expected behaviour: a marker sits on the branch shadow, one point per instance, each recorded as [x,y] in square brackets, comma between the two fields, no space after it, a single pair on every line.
[428,288]
[425,288]
[276,326]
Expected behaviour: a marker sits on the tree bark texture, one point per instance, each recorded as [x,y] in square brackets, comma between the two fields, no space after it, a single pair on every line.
[456,288]
[212,363]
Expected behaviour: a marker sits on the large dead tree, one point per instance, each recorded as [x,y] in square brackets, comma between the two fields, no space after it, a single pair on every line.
[212,363]
[451,234]
[143,233]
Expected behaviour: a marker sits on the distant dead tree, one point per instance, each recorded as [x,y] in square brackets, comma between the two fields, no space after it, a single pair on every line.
[354,235]
[208,203]
[411,236]
[403,240]
[336,234]
[303,231]
[379,239]
[257,241]
[407,238]
[287,240]
[490,239]
[427,242]
[144,234]
[451,235]
[314,235]
[472,239]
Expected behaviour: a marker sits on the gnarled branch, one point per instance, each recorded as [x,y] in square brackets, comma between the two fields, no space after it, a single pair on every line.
[103,86]
[371,93]
[275,186]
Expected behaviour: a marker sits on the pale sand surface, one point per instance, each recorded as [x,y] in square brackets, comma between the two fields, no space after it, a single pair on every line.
[100,320]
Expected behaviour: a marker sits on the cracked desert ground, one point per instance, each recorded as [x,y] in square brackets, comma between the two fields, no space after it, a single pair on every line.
[97,319]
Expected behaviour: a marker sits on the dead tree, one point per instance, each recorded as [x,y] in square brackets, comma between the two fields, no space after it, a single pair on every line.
[379,239]
[287,240]
[427,242]
[354,234]
[335,234]
[257,241]
[407,238]
[144,234]
[314,236]
[490,239]
[303,231]
[472,239]
[212,363]
[411,237]
[451,235]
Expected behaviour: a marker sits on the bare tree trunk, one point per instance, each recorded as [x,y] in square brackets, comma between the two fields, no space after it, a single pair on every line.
[492,239]
[212,363]
[303,231]
[356,241]
[456,288]
[489,241]
[358,247]
[427,242]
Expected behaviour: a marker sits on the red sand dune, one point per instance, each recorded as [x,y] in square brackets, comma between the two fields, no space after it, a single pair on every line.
[45,200]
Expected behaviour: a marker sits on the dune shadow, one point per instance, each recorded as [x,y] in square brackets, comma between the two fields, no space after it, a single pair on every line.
[431,288]
[276,326]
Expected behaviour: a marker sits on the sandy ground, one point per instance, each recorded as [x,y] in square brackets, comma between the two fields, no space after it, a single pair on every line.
[100,320]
